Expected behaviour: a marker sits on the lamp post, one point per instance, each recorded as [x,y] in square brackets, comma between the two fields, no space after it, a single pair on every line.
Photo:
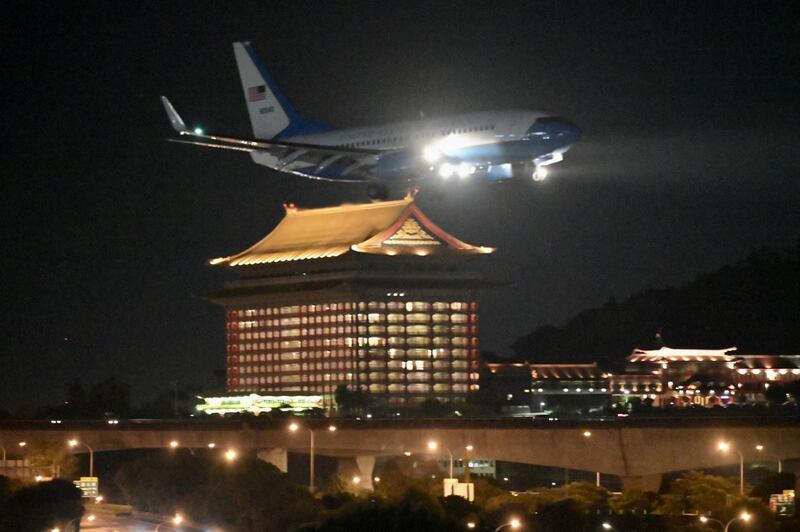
[743,517]
[294,427]
[469,448]
[514,523]
[74,442]
[760,448]
[725,447]
[432,446]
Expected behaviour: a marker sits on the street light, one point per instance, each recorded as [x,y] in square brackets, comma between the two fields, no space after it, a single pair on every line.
[760,448]
[230,455]
[294,427]
[176,520]
[743,517]
[433,446]
[725,446]
[74,442]
[173,444]
[21,444]
[514,523]
[607,526]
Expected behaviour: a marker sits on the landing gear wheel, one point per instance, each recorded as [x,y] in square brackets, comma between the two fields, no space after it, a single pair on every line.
[523,171]
[377,191]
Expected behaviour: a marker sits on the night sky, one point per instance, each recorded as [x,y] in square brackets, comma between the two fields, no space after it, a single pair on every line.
[689,158]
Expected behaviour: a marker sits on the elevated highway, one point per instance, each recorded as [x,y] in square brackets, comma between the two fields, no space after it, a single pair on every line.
[639,451]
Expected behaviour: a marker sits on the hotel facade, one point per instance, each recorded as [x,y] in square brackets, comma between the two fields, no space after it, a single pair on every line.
[372,296]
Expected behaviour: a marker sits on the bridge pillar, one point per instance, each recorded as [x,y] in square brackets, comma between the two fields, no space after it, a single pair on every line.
[642,482]
[277,457]
[357,466]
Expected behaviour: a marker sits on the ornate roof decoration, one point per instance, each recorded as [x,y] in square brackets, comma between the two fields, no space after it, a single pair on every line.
[386,227]
[565,371]
[667,354]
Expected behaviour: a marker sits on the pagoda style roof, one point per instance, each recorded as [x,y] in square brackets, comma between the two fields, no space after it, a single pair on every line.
[565,371]
[385,227]
[667,354]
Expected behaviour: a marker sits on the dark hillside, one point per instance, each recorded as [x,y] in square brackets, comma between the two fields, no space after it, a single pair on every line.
[754,305]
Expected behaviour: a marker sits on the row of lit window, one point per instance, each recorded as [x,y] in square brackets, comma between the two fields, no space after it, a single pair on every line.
[392,354]
[420,388]
[395,353]
[373,317]
[444,376]
[411,330]
[292,309]
[361,306]
[413,364]
[306,367]
[288,356]
[235,325]
[311,331]
[293,344]
[416,341]
[289,379]
[419,317]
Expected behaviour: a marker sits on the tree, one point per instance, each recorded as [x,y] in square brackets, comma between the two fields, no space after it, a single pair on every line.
[697,492]
[110,396]
[41,506]
[53,458]
[76,404]
[401,474]
[247,495]
[634,501]
[348,401]
[415,510]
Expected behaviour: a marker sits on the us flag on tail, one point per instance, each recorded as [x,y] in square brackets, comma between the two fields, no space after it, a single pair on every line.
[257,94]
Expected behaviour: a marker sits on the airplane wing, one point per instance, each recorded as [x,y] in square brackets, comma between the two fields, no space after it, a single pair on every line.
[290,155]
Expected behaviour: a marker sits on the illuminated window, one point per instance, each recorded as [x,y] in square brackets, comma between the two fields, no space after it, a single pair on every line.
[396,318]
[459,318]
[418,341]
[418,318]
[417,330]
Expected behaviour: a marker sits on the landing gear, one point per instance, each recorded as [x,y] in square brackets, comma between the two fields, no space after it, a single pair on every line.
[377,191]
[529,170]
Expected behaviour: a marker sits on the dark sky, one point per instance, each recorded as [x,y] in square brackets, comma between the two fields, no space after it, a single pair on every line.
[689,159]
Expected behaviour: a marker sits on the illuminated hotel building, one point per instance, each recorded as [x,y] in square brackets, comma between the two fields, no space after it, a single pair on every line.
[372,296]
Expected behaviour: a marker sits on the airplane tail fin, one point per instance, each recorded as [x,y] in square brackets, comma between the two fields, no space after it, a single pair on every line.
[271,114]
[174,118]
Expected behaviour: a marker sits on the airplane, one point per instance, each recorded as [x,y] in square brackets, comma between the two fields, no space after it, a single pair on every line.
[488,146]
